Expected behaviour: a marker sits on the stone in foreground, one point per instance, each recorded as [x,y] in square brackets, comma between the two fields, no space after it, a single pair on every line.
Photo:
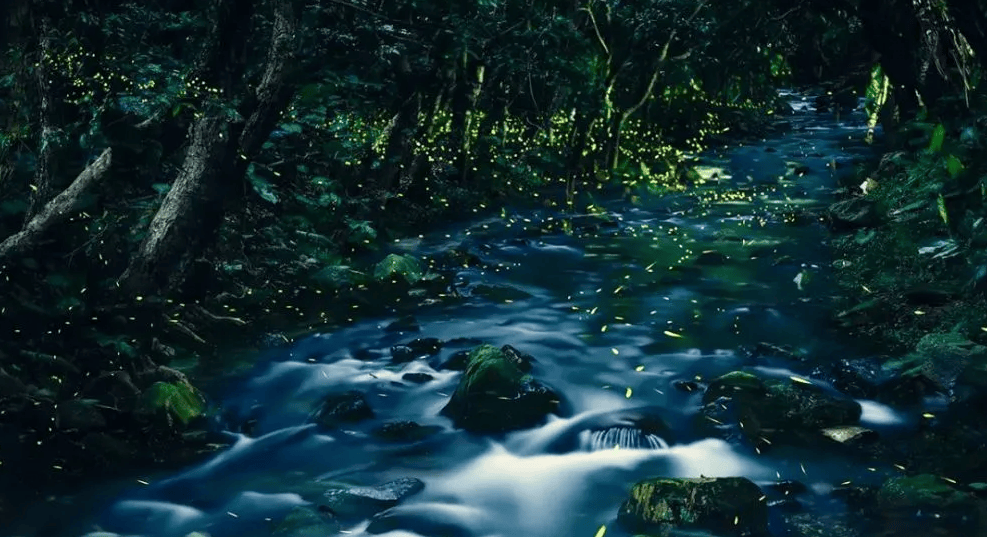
[725,506]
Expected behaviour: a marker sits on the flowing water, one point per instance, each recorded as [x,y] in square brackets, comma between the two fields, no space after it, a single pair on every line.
[619,317]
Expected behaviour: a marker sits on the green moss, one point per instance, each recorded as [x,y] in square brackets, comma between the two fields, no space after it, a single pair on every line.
[921,490]
[490,368]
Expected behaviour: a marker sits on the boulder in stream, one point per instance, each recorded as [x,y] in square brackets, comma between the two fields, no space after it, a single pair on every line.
[770,406]
[363,502]
[339,408]
[725,506]
[497,395]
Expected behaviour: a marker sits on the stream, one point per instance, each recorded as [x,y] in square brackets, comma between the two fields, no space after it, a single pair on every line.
[622,314]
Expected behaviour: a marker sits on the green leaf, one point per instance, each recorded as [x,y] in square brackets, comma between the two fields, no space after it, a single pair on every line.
[263,188]
[953,165]
[293,128]
[399,265]
[938,135]
[180,399]
[161,188]
[336,275]
[941,202]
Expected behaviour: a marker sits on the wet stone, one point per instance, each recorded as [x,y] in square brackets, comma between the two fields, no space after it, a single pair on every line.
[496,395]
[725,506]
[417,378]
[404,431]
[425,346]
[363,502]
[403,353]
[458,361]
[339,408]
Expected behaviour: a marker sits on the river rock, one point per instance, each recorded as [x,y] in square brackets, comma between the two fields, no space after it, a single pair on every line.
[854,213]
[363,502]
[417,378]
[457,361]
[850,435]
[725,506]
[763,406]
[428,346]
[948,362]
[306,522]
[913,496]
[496,395]
[404,431]
[339,408]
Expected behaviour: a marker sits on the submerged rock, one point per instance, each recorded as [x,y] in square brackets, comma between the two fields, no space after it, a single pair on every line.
[404,431]
[306,522]
[496,395]
[363,502]
[339,408]
[725,506]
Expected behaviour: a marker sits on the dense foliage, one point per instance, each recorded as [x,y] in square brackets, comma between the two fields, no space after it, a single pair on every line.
[178,174]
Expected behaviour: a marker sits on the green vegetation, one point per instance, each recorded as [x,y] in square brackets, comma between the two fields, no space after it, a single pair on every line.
[178,177]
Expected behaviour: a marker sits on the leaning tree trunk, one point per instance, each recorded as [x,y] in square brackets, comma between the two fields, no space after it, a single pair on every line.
[212,174]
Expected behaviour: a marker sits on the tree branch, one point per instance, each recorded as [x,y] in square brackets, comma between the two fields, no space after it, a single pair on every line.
[59,209]
[596,29]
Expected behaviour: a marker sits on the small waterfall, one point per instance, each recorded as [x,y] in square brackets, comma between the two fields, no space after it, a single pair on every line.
[622,437]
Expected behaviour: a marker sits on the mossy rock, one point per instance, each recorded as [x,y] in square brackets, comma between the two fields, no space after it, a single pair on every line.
[725,506]
[496,395]
[946,361]
[760,406]
[907,496]
[733,384]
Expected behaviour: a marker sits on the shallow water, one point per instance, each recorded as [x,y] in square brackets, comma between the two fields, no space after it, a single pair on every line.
[602,305]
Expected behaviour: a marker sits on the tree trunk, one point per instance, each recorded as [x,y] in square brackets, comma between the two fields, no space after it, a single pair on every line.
[212,173]
[464,100]
[399,150]
[46,169]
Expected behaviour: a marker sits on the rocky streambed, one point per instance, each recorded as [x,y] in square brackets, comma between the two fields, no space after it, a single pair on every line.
[660,367]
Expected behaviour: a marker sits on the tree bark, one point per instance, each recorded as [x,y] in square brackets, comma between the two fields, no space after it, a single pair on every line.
[46,169]
[59,209]
[212,173]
